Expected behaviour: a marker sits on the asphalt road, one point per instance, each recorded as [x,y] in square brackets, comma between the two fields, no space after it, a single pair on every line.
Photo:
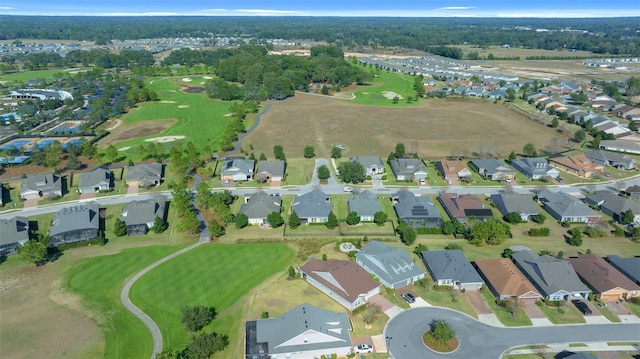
[477,340]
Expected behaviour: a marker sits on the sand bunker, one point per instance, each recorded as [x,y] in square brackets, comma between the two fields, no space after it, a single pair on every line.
[124,148]
[183,106]
[202,83]
[391,95]
[186,79]
[165,139]
[207,77]
[228,115]
[167,101]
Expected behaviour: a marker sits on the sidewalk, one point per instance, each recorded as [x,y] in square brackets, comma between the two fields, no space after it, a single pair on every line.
[588,347]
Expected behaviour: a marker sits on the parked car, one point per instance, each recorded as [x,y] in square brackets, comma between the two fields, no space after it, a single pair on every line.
[226,181]
[408,297]
[582,306]
[560,180]
[363,348]
[348,189]
[422,183]
[342,147]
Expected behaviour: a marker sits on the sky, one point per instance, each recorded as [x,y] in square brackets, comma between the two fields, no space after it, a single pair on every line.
[386,8]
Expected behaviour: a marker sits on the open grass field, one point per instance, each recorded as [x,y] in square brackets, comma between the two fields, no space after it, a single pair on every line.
[434,128]
[214,275]
[385,86]
[25,76]
[181,110]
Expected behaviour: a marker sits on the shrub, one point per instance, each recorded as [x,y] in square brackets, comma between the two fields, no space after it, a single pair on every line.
[195,318]
[453,246]
[539,232]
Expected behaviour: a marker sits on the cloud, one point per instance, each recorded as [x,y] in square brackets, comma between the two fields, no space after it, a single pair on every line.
[251,12]
[140,14]
[455,8]
[6,8]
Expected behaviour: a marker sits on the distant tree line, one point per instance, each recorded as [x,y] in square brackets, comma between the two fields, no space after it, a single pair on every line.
[125,59]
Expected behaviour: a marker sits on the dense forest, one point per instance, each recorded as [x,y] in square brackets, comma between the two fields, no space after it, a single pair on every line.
[605,35]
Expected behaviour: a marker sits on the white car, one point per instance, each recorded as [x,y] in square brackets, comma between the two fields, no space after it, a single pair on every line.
[422,181]
[342,147]
[363,348]
[348,189]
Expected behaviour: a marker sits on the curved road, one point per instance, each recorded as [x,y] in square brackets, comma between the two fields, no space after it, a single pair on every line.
[478,340]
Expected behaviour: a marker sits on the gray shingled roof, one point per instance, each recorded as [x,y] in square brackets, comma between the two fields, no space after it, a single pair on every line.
[15,229]
[391,264]
[368,161]
[314,204]
[275,168]
[411,206]
[406,166]
[237,165]
[532,166]
[628,266]
[608,158]
[491,166]
[42,182]
[95,177]
[520,203]
[305,320]
[365,203]
[565,204]
[145,171]
[143,212]
[260,205]
[613,203]
[450,265]
[549,274]
[79,216]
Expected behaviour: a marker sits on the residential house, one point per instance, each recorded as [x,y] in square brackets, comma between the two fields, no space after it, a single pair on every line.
[391,265]
[259,206]
[46,185]
[1,195]
[365,204]
[621,146]
[14,232]
[373,165]
[79,222]
[607,283]
[625,111]
[451,268]
[453,170]
[313,207]
[237,169]
[493,169]
[578,165]
[506,281]
[566,208]
[535,168]
[144,175]
[612,159]
[343,280]
[416,211]
[270,171]
[460,207]
[140,216]
[627,266]
[408,169]
[304,332]
[97,180]
[614,205]
[476,92]
[632,191]
[603,103]
[520,203]
[554,278]
[612,128]
[497,94]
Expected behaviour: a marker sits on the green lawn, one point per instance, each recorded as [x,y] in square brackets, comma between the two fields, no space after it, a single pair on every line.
[374,94]
[201,119]
[521,318]
[25,76]
[214,275]
[99,281]
[298,172]
[447,298]
[570,314]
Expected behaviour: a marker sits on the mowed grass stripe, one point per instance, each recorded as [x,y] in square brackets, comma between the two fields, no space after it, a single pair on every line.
[374,94]
[99,281]
[216,275]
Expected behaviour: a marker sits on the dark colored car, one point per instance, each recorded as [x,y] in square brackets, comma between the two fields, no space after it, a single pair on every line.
[582,306]
[408,297]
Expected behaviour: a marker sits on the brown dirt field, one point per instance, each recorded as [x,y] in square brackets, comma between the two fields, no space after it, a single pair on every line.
[140,129]
[39,320]
[435,128]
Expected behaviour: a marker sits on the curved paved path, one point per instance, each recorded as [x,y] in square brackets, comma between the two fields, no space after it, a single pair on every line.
[478,340]
[238,144]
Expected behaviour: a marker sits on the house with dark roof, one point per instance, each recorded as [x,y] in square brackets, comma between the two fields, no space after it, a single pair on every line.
[566,208]
[237,169]
[521,203]
[76,223]
[451,268]
[313,207]
[144,175]
[343,280]
[463,206]
[627,266]
[259,206]
[393,266]
[535,168]
[621,146]
[97,180]
[577,165]
[610,203]
[1,194]
[365,204]
[408,169]
[416,211]
[607,283]
[139,216]
[373,165]
[453,170]
[492,169]
[632,192]
[611,159]
[304,332]
[14,233]
[553,277]
[270,171]
[506,281]
[46,185]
